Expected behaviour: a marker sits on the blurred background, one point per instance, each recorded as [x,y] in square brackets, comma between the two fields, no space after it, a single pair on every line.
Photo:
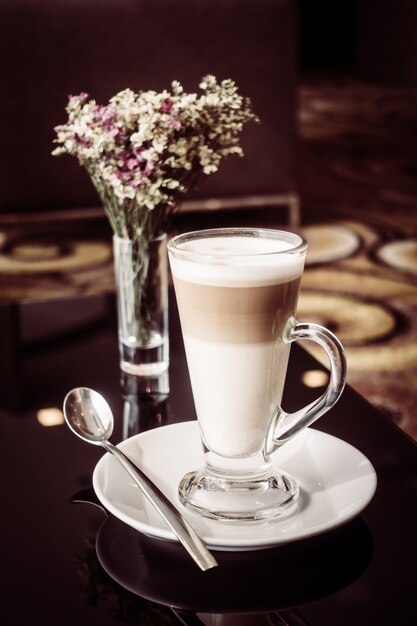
[335,158]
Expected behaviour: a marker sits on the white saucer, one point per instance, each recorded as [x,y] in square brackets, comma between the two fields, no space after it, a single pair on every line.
[336,483]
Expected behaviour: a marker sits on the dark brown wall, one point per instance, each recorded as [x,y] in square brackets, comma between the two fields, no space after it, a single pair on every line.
[50,48]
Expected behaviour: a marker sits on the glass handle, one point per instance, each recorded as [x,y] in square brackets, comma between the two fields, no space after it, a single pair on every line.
[286,425]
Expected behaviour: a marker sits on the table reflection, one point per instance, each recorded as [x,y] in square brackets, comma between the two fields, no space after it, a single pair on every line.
[261,580]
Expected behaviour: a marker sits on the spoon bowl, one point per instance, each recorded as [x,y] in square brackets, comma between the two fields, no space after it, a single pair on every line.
[89,416]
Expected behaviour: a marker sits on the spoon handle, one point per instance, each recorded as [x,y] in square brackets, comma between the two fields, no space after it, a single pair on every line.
[184,532]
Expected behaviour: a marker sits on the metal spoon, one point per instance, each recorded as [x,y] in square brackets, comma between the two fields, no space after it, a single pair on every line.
[89,416]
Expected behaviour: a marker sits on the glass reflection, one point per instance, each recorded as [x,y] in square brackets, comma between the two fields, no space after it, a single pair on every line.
[144,410]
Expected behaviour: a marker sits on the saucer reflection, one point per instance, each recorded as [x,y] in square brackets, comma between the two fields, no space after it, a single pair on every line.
[262,581]
[286,618]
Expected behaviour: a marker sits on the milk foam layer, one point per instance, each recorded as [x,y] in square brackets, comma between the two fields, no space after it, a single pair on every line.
[236,389]
[238,261]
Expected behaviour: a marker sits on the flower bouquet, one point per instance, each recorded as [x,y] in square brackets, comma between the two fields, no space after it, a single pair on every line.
[144,152]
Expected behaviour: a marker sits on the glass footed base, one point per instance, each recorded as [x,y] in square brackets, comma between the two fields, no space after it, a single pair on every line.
[239,499]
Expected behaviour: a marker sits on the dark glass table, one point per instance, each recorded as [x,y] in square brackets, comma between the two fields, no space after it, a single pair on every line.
[65,561]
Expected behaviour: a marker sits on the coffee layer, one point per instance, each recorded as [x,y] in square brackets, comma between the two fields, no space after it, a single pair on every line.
[253,314]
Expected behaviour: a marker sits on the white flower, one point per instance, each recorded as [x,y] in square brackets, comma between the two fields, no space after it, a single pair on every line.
[151,148]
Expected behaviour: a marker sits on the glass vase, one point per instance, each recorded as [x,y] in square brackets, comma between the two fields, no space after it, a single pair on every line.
[141,276]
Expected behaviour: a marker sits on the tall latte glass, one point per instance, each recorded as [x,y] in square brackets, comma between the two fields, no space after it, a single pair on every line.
[237,291]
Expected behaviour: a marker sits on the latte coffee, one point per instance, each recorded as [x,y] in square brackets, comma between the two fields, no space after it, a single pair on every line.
[237,291]
[233,311]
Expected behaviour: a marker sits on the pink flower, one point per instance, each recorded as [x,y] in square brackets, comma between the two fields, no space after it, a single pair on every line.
[149,167]
[166,106]
[132,163]
[174,124]
[81,98]
[107,114]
